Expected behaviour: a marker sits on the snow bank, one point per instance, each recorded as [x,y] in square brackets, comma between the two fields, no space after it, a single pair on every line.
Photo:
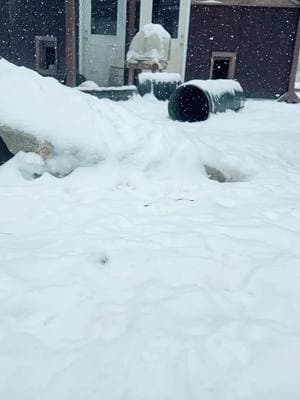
[139,278]
[52,112]
[73,122]
[117,284]
[85,130]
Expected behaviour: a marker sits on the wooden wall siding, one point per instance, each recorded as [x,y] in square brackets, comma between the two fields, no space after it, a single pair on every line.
[4,29]
[262,37]
[27,19]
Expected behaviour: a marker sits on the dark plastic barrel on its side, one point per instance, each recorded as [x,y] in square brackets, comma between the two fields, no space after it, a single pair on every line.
[196,100]
[162,89]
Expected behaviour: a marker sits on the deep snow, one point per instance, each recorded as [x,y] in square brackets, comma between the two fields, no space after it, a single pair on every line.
[139,278]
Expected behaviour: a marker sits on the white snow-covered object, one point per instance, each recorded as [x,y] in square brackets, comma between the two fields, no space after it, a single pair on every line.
[151,45]
[156,77]
[91,85]
[41,115]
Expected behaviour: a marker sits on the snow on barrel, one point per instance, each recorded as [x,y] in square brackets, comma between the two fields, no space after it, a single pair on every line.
[197,99]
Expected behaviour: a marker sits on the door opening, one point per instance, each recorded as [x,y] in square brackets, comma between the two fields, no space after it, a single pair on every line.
[103,31]
[46,55]
[220,69]
[223,65]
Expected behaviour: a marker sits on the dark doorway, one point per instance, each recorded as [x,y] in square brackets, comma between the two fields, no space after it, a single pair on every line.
[220,69]
[46,55]
[223,65]
[49,59]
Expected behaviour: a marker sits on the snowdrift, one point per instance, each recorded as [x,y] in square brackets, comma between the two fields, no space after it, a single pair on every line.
[139,278]
[74,129]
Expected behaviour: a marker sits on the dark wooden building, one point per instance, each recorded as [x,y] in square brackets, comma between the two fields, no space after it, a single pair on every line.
[32,33]
[251,41]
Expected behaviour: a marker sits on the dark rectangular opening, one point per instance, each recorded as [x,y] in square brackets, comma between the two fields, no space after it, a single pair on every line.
[46,55]
[222,65]
[220,69]
[49,58]
[104,17]
[166,13]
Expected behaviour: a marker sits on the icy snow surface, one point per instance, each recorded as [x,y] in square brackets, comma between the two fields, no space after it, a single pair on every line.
[139,278]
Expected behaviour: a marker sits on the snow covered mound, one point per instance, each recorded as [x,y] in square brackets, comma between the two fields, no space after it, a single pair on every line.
[84,130]
[139,278]
[63,116]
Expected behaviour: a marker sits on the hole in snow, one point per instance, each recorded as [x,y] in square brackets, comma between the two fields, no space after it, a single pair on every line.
[104,259]
[230,176]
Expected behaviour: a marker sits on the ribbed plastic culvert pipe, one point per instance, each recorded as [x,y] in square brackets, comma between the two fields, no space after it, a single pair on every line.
[195,100]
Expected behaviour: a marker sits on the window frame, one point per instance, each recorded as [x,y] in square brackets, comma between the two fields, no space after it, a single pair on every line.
[105,32]
[176,36]
[41,41]
[227,56]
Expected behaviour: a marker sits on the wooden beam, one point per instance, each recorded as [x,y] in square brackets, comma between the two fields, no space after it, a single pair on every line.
[71,58]
[292,96]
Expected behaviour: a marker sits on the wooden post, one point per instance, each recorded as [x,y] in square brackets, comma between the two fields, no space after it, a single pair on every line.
[292,96]
[133,17]
[71,59]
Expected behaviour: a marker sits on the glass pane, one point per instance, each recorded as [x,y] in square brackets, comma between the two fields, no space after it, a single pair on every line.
[166,13]
[104,17]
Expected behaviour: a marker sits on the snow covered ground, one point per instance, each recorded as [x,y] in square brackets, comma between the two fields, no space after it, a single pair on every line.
[139,278]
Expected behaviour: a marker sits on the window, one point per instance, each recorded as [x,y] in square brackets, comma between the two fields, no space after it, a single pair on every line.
[46,55]
[166,13]
[104,17]
[223,65]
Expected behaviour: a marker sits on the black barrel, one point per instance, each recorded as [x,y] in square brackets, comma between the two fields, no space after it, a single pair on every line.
[196,100]
[161,84]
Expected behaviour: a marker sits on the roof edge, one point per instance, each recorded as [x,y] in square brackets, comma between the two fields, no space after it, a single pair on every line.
[250,3]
